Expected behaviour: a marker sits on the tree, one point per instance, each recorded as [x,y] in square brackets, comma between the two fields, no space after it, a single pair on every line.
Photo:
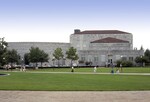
[72,54]
[138,59]
[141,60]
[141,48]
[36,55]
[26,58]
[58,54]
[11,56]
[44,57]
[147,54]
[3,49]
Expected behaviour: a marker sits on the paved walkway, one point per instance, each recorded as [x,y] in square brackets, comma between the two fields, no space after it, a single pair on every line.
[92,73]
[82,73]
[74,96]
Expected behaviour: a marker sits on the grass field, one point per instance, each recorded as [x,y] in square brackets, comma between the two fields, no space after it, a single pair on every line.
[31,80]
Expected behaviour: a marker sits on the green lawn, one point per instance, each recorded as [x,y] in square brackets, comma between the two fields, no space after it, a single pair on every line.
[75,82]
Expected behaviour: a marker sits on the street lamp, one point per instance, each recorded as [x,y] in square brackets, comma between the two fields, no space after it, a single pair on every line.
[121,63]
[141,61]
[121,56]
[22,64]
[112,66]
[53,60]
[3,61]
[64,60]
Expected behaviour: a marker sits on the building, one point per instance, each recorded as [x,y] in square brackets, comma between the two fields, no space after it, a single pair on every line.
[104,46]
[97,47]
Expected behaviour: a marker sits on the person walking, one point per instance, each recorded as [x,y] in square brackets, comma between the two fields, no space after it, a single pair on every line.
[121,67]
[72,69]
[95,69]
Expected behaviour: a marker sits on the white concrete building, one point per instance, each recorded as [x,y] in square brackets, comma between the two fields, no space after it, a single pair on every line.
[103,46]
[99,47]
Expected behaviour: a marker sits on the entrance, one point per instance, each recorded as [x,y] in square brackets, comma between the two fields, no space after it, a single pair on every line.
[110,57]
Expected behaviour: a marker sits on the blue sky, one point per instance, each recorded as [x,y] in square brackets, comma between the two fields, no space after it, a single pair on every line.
[55,20]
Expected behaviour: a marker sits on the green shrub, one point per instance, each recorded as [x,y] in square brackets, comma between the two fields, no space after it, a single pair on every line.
[88,63]
[127,63]
[124,63]
[118,63]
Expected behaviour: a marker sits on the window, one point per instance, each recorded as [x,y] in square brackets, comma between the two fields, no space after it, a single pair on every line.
[124,58]
[82,58]
[95,59]
[103,58]
[89,58]
[84,45]
[130,58]
[118,57]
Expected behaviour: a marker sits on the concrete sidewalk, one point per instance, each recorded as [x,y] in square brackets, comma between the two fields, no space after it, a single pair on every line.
[74,96]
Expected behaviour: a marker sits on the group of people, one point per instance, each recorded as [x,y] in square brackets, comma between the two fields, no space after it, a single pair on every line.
[72,69]
[118,70]
[9,67]
[23,68]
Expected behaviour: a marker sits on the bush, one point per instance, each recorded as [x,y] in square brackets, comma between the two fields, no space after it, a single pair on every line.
[127,64]
[118,63]
[124,63]
[81,61]
[88,63]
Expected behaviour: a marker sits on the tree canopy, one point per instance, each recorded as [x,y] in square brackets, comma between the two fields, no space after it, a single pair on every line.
[26,58]
[36,55]
[145,58]
[72,54]
[3,49]
[11,56]
[58,54]
[147,54]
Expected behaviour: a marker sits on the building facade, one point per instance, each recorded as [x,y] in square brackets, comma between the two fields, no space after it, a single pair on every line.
[99,47]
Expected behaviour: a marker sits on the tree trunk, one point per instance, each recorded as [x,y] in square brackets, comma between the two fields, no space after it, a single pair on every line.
[71,63]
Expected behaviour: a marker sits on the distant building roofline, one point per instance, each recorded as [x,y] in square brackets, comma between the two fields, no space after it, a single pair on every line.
[77,31]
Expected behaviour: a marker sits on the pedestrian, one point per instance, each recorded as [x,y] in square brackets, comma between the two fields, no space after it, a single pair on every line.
[24,69]
[72,69]
[117,71]
[112,66]
[95,69]
[121,67]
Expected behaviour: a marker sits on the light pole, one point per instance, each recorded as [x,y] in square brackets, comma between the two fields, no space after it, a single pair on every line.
[53,60]
[121,64]
[64,60]
[3,61]
[141,61]
[112,66]
[22,64]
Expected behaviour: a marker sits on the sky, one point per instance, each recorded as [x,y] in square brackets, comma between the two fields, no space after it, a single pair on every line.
[55,20]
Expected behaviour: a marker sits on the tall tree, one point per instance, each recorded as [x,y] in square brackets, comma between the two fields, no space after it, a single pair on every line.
[147,54]
[58,54]
[141,48]
[3,49]
[36,55]
[12,56]
[26,58]
[44,57]
[72,54]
